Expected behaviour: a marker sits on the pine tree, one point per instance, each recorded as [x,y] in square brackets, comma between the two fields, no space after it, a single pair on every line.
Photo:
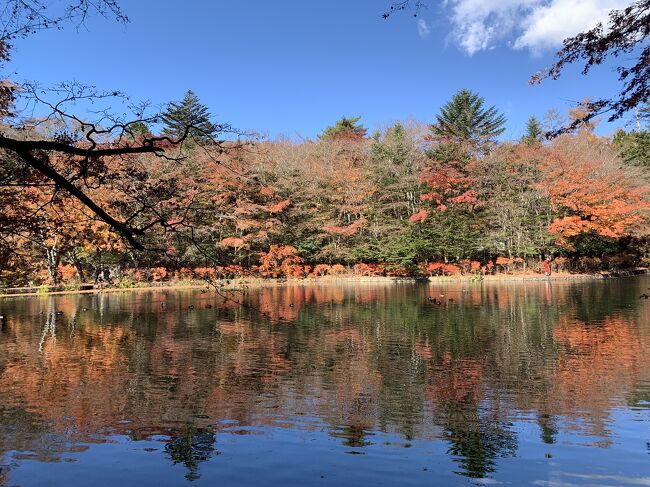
[464,119]
[634,147]
[345,128]
[533,131]
[190,114]
[138,129]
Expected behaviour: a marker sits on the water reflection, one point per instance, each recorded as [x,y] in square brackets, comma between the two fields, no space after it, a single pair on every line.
[477,384]
[190,448]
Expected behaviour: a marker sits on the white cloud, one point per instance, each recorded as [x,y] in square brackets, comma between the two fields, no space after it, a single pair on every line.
[423,28]
[550,24]
[536,25]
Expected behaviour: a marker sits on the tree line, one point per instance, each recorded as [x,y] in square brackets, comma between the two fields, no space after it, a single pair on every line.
[440,198]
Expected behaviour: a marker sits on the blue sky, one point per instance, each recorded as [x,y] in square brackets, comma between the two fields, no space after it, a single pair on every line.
[295,66]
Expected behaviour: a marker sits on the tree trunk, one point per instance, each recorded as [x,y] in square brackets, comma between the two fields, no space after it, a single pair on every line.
[77,265]
[53,258]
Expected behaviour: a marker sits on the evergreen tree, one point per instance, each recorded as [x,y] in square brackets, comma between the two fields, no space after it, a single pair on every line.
[189,113]
[533,130]
[465,119]
[634,147]
[138,129]
[345,128]
[394,147]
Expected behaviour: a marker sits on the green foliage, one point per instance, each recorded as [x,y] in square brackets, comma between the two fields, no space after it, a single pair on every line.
[634,147]
[450,153]
[400,200]
[188,115]
[450,235]
[138,129]
[403,248]
[43,289]
[394,148]
[465,119]
[592,244]
[516,213]
[308,247]
[533,131]
[345,128]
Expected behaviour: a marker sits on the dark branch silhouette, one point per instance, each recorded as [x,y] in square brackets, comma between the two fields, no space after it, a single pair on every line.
[626,34]
[414,5]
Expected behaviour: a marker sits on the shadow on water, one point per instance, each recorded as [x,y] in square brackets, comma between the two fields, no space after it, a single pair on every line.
[536,382]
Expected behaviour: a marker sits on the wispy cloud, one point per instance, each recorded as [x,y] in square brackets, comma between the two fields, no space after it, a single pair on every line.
[536,25]
[423,28]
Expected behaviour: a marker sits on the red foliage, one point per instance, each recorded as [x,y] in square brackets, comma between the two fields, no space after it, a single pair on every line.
[321,270]
[440,269]
[205,272]
[158,274]
[346,231]
[449,186]
[419,217]
[279,260]
[368,269]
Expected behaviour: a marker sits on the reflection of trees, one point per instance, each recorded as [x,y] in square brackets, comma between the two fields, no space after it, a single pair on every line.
[475,428]
[547,425]
[191,447]
[476,444]
[353,435]
[360,358]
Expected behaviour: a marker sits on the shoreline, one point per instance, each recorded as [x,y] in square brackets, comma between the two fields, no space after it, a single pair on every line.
[239,284]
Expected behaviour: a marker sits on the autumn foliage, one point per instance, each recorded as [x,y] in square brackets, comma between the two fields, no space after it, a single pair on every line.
[396,204]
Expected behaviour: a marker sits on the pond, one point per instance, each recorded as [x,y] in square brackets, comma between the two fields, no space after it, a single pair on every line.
[536,383]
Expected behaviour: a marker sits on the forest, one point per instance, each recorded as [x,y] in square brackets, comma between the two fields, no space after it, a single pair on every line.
[447,196]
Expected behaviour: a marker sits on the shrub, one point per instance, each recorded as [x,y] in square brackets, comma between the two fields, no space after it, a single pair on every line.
[560,263]
[321,270]
[337,270]
[158,274]
[441,269]
[369,269]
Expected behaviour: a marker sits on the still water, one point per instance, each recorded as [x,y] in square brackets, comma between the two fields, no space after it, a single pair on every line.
[542,383]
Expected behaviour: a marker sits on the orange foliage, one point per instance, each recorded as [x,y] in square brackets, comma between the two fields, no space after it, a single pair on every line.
[440,269]
[321,269]
[337,269]
[346,231]
[279,207]
[560,262]
[205,272]
[419,217]
[591,194]
[234,242]
[158,274]
[67,272]
[368,269]
[280,260]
